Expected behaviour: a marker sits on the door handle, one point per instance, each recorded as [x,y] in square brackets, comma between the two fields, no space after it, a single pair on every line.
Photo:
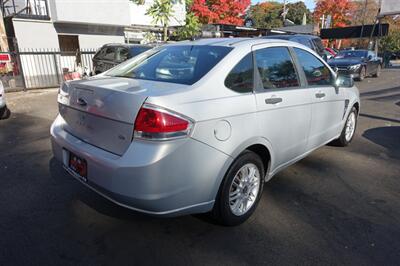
[273,100]
[320,95]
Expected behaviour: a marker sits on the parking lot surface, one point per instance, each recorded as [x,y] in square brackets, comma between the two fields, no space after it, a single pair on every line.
[337,206]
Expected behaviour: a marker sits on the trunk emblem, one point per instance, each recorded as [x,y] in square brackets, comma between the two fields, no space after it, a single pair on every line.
[81,102]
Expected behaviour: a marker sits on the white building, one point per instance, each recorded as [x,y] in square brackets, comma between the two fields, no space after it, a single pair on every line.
[71,25]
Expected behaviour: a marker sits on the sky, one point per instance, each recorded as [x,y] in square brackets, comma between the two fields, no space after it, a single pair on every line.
[309,3]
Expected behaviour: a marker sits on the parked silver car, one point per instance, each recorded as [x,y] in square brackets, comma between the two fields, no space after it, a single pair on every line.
[199,126]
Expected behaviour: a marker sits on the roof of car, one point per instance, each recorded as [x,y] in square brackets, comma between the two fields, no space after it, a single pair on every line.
[290,36]
[230,42]
[127,45]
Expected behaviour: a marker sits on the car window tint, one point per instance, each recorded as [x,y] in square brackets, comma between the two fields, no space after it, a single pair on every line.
[276,68]
[138,50]
[316,72]
[303,41]
[122,54]
[110,54]
[240,79]
[183,64]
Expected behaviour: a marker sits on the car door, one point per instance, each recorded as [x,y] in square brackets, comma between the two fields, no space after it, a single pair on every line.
[373,62]
[328,101]
[283,104]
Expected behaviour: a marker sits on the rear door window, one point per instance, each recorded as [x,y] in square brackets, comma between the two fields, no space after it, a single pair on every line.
[240,79]
[183,64]
[276,68]
[316,72]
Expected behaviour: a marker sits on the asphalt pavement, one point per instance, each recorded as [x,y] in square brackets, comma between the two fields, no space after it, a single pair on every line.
[338,206]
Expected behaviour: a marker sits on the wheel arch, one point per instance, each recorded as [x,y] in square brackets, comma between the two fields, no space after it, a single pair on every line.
[261,146]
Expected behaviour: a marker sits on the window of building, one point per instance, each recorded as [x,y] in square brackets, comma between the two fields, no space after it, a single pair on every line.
[276,68]
[68,43]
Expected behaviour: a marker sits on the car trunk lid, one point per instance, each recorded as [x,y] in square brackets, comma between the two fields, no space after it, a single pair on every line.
[102,111]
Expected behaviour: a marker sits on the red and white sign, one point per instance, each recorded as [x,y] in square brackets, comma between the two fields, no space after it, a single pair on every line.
[5,57]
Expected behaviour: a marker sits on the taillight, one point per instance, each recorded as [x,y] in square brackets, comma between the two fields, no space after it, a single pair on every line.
[153,122]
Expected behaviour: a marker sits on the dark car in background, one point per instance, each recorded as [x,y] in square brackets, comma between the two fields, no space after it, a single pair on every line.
[311,41]
[110,55]
[358,63]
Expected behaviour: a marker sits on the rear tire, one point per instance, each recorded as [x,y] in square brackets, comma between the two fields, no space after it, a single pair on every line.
[378,72]
[240,190]
[347,134]
[4,113]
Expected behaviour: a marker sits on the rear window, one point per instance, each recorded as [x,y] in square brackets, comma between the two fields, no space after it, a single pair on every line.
[183,64]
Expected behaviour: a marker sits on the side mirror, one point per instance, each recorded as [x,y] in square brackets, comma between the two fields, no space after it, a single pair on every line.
[369,57]
[344,81]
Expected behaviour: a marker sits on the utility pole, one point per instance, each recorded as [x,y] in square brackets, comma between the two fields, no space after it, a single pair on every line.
[284,13]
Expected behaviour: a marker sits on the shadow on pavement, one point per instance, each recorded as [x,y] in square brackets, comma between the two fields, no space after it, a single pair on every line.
[380,118]
[387,137]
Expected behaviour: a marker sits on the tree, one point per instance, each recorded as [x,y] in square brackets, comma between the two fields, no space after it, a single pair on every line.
[362,13]
[220,11]
[340,10]
[267,15]
[190,29]
[296,12]
[161,11]
[391,42]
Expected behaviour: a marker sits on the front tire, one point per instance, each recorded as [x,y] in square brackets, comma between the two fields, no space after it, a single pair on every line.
[347,134]
[363,73]
[240,190]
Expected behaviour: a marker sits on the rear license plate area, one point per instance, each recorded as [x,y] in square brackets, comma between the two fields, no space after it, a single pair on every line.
[78,165]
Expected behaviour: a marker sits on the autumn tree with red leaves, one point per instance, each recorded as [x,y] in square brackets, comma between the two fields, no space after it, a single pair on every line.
[220,11]
[340,10]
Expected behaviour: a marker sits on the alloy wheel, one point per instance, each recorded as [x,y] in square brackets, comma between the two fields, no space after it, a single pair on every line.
[244,189]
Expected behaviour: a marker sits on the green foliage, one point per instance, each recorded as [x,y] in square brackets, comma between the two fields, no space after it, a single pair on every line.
[391,42]
[191,28]
[296,13]
[161,11]
[267,15]
[138,2]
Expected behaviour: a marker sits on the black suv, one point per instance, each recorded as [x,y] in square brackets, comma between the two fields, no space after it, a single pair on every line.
[311,41]
[110,55]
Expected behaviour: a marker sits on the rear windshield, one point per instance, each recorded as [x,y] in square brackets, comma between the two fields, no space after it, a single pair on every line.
[183,64]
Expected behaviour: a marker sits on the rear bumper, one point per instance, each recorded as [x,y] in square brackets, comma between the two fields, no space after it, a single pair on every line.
[158,178]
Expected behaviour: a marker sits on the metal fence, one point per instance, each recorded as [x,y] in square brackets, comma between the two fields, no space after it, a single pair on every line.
[45,68]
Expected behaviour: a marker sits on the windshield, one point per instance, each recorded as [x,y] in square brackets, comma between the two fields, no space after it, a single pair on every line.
[346,54]
[183,64]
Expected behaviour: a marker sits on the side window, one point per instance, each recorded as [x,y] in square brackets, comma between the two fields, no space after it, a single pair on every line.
[100,54]
[110,54]
[316,72]
[240,79]
[122,54]
[276,68]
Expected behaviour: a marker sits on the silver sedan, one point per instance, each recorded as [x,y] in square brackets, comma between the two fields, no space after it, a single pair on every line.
[200,126]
